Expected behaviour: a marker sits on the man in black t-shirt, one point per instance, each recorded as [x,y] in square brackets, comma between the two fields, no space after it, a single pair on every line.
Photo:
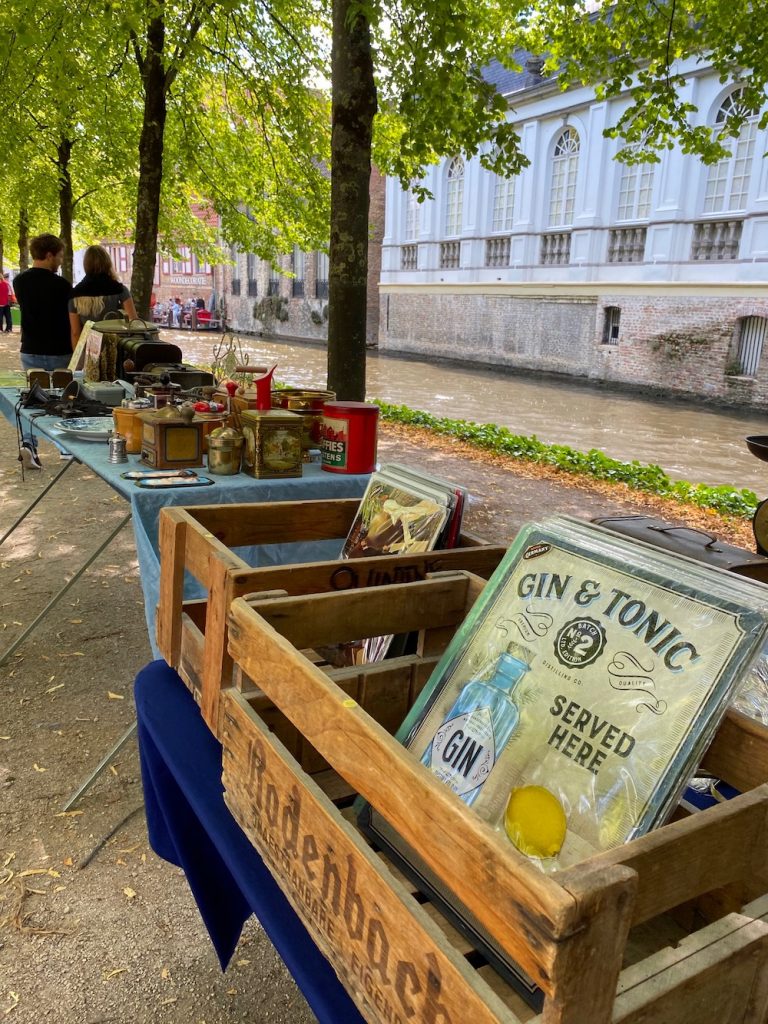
[43,297]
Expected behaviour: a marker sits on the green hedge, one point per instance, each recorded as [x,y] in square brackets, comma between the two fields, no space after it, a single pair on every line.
[727,500]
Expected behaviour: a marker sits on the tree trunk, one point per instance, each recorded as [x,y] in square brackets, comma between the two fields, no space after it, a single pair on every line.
[353,108]
[150,167]
[23,239]
[2,253]
[64,152]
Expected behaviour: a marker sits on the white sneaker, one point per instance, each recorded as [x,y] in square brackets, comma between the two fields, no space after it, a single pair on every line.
[28,457]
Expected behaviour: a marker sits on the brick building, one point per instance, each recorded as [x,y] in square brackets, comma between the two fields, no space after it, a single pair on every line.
[291,299]
[651,275]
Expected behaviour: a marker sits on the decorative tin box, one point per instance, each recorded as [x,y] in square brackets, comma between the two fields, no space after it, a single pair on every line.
[272,443]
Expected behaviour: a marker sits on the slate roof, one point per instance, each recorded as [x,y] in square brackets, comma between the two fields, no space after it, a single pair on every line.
[507,81]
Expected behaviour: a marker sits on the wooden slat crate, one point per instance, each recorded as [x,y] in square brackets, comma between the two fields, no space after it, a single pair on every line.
[614,939]
[192,635]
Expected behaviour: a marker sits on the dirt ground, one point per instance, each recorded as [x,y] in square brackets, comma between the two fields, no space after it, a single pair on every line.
[92,930]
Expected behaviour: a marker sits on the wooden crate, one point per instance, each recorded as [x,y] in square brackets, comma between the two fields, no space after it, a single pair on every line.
[598,937]
[192,635]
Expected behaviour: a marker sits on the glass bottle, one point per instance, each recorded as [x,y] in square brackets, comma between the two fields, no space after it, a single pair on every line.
[475,731]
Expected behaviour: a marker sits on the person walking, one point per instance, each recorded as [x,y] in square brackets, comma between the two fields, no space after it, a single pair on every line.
[45,336]
[6,298]
[43,296]
[98,293]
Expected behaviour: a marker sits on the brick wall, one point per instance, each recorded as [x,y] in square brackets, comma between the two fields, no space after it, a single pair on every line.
[376,218]
[682,344]
[536,334]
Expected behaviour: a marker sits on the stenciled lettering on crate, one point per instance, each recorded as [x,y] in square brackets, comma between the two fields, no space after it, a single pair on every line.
[358,920]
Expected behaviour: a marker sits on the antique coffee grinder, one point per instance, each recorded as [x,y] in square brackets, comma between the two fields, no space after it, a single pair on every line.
[171,437]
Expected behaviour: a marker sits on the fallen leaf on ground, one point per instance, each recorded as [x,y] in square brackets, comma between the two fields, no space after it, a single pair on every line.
[115,696]
[5,737]
[75,622]
[52,688]
[165,974]
[39,871]
[68,862]
[130,893]
[167,1002]
[242,963]
[37,767]
[14,997]
[108,975]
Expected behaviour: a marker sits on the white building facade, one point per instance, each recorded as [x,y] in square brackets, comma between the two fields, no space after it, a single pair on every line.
[653,275]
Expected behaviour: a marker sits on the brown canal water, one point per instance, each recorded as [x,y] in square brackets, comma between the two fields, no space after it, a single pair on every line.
[689,441]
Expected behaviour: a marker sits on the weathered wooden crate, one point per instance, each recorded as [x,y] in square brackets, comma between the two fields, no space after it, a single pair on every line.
[192,635]
[602,939]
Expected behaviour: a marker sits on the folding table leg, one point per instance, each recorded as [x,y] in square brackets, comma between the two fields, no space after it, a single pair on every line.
[57,597]
[39,498]
[86,785]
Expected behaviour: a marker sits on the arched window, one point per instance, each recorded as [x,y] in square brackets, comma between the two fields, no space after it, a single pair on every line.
[454,196]
[565,164]
[728,180]
[635,189]
[752,332]
[503,203]
[411,216]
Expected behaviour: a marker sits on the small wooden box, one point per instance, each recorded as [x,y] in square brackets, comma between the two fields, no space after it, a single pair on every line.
[170,442]
[192,635]
[599,938]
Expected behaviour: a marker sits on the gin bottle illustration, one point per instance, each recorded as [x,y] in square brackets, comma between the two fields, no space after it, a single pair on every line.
[473,734]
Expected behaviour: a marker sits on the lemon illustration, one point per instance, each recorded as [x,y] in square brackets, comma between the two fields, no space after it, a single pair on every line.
[535,821]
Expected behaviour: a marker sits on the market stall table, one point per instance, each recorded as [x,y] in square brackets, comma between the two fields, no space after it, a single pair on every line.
[190,825]
[146,504]
[145,508]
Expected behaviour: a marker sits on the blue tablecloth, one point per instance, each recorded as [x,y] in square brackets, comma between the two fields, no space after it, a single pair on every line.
[190,826]
[226,490]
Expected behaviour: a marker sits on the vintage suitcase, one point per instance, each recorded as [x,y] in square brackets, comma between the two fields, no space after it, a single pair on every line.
[142,351]
[685,540]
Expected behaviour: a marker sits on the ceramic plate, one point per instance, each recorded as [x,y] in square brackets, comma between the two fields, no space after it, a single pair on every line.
[87,428]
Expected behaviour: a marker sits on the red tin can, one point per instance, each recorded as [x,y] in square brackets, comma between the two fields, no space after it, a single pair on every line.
[348,435]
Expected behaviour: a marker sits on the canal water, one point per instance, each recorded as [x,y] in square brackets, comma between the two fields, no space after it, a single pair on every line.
[689,441]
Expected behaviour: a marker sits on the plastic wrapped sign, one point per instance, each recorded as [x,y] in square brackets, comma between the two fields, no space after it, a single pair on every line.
[580,693]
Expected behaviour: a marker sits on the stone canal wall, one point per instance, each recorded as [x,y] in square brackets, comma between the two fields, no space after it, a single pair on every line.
[684,344]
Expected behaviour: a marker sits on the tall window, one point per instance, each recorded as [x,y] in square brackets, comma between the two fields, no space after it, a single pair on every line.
[273,284]
[503,203]
[411,216]
[565,164]
[251,265]
[321,276]
[297,265]
[728,180]
[454,196]
[635,190]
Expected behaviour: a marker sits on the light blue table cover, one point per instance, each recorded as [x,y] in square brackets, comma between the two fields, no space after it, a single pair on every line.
[314,484]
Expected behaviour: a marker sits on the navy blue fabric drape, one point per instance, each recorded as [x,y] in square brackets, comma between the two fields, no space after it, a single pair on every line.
[190,826]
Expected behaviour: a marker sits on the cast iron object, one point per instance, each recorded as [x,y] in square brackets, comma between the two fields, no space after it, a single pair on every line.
[758,445]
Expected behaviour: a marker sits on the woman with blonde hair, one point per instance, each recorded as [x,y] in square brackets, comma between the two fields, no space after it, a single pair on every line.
[98,293]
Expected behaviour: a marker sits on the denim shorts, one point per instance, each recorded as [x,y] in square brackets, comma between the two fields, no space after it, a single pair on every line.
[30,361]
